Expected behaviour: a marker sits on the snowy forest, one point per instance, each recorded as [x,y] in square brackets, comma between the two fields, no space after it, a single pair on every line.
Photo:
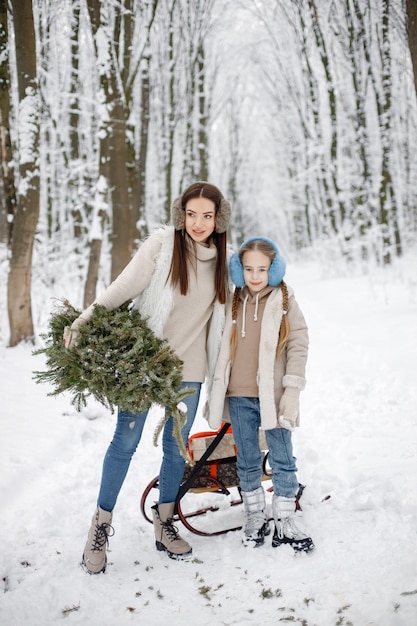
[303,112]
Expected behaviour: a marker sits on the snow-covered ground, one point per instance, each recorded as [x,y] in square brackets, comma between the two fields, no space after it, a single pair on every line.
[357,444]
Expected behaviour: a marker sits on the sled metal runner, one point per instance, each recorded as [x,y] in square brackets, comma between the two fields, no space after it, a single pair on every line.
[201,474]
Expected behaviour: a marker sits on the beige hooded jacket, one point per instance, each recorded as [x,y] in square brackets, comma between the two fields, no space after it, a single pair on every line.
[274,374]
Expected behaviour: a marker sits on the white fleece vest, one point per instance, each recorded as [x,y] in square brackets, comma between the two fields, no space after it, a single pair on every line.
[156,302]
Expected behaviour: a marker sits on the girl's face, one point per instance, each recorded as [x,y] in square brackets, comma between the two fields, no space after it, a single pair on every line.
[200,218]
[255,270]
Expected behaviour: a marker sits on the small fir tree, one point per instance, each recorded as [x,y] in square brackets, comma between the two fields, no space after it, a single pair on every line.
[119,361]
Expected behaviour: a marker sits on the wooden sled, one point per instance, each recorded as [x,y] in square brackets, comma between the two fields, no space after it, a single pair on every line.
[212,475]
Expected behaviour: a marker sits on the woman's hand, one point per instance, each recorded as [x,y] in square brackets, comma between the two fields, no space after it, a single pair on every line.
[72,335]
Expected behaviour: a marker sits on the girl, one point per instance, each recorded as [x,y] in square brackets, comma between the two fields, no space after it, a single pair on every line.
[179,280]
[257,382]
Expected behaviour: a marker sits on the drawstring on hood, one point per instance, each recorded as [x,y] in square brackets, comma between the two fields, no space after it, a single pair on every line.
[255,316]
[245,301]
[245,306]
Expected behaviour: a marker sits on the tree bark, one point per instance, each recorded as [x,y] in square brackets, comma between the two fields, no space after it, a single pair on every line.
[412,34]
[202,114]
[27,212]
[139,175]
[94,263]
[114,153]
[7,188]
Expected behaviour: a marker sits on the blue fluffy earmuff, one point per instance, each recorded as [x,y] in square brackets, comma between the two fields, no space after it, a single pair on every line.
[276,271]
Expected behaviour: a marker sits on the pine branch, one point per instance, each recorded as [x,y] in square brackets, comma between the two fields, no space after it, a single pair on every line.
[118,360]
[179,415]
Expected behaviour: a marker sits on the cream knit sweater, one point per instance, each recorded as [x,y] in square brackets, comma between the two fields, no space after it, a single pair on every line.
[183,319]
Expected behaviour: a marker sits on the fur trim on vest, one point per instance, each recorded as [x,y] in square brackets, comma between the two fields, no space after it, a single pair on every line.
[156,301]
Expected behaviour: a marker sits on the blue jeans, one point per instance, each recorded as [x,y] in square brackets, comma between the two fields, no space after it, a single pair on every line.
[246,419]
[126,438]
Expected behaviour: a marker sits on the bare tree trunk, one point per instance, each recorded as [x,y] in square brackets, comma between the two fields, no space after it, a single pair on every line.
[96,241]
[169,159]
[113,28]
[359,58]
[114,155]
[336,208]
[139,175]
[325,214]
[27,212]
[388,202]
[412,34]
[138,160]
[92,272]
[7,190]
[116,158]
[202,114]
[76,181]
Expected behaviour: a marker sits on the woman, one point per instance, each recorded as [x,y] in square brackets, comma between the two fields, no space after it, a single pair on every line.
[178,279]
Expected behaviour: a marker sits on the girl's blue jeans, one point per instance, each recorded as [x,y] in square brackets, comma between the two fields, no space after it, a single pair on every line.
[123,446]
[246,419]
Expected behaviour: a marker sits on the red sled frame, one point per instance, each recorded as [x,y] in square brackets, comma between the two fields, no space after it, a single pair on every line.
[198,472]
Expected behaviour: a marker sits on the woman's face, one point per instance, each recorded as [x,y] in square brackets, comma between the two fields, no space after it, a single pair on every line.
[255,270]
[200,218]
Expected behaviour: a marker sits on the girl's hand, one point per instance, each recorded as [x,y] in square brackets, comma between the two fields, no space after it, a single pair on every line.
[285,423]
[289,407]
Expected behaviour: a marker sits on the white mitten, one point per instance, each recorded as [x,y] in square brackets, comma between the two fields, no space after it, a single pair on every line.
[289,407]
[72,334]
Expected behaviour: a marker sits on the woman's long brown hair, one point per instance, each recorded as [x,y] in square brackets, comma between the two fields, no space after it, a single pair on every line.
[182,250]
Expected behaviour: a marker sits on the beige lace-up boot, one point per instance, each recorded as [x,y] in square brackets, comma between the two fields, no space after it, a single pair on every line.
[94,557]
[166,534]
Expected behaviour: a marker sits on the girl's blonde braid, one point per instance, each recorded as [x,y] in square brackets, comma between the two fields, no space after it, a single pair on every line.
[284,329]
[233,336]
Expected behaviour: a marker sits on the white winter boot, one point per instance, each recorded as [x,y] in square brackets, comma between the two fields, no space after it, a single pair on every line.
[94,557]
[286,531]
[167,536]
[256,524]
